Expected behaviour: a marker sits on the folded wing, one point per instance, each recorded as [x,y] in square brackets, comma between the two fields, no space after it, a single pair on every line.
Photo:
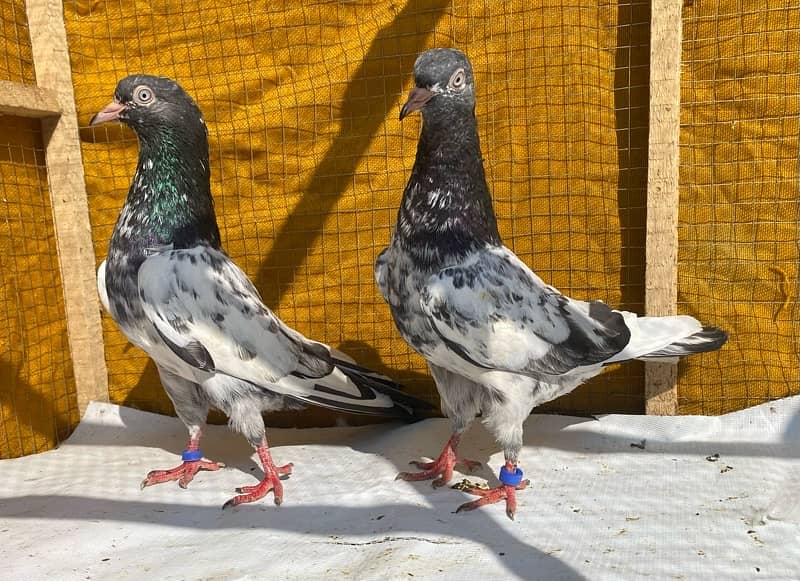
[211,316]
[495,313]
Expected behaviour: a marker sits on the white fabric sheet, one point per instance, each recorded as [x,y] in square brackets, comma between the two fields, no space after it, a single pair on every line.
[598,507]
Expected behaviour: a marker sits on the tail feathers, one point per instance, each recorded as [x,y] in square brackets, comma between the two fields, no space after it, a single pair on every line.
[354,389]
[671,336]
[382,384]
[707,339]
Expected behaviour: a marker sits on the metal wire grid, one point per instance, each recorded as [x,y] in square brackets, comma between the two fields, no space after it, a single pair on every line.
[310,165]
[38,405]
[309,161]
[16,62]
[738,249]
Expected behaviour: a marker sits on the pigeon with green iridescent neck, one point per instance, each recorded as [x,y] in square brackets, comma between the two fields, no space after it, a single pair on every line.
[498,340]
[175,294]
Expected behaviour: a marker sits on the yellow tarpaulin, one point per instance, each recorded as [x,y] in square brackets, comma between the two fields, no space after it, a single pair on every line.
[309,161]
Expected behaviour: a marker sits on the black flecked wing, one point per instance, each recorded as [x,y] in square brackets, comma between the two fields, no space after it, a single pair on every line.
[209,314]
[495,313]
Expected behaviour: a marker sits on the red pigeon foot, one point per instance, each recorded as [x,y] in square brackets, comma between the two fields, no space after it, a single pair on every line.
[511,479]
[441,467]
[271,481]
[185,472]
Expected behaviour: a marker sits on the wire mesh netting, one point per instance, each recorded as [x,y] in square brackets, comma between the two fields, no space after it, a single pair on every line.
[738,247]
[309,159]
[38,404]
[309,163]
[16,62]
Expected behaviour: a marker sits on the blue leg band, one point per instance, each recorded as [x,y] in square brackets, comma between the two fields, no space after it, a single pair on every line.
[510,478]
[191,455]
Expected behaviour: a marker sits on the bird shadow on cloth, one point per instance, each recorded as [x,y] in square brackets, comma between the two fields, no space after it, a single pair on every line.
[334,524]
[426,518]
[365,104]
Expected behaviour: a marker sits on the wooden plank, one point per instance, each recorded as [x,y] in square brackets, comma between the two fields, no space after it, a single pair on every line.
[27,100]
[661,379]
[661,278]
[68,195]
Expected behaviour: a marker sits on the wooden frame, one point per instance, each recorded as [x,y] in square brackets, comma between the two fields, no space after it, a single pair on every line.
[27,101]
[661,275]
[53,101]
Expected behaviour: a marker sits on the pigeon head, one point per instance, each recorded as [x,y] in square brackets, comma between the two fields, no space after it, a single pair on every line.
[443,82]
[446,211]
[169,201]
[150,105]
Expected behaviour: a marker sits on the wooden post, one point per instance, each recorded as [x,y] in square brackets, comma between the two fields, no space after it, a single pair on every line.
[27,101]
[68,194]
[661,278]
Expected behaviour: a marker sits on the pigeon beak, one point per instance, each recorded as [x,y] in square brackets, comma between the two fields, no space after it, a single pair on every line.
[417,99]
[109,113]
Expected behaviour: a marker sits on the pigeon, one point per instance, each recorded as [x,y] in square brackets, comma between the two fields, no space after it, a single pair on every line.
[498,340]
[174,293]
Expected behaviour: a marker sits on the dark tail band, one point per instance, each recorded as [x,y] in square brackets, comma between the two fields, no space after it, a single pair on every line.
[708,339]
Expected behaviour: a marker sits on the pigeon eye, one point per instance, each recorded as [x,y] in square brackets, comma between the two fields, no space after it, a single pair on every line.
[143,95]
[458,79]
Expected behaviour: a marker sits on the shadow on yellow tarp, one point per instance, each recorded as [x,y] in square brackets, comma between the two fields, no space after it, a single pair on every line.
[309,158]
[38,405]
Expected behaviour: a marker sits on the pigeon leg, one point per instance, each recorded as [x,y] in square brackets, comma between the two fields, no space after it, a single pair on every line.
[510,481]
[442,466]
[271,481]
[185,472]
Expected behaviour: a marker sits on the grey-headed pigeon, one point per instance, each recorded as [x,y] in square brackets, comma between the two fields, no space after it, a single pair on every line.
[498,340]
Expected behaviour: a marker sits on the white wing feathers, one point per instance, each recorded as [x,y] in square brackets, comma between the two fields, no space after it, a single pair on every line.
[497,314]
[211,316]
[101,286]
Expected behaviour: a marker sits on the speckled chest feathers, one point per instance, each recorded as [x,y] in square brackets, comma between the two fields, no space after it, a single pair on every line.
[445,215]
[446,211]
[169,204]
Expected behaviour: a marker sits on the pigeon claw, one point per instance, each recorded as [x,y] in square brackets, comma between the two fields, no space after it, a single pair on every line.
[493,495]
[270,482]
[441,467]
[444,471]
[184,473]
[284,471]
